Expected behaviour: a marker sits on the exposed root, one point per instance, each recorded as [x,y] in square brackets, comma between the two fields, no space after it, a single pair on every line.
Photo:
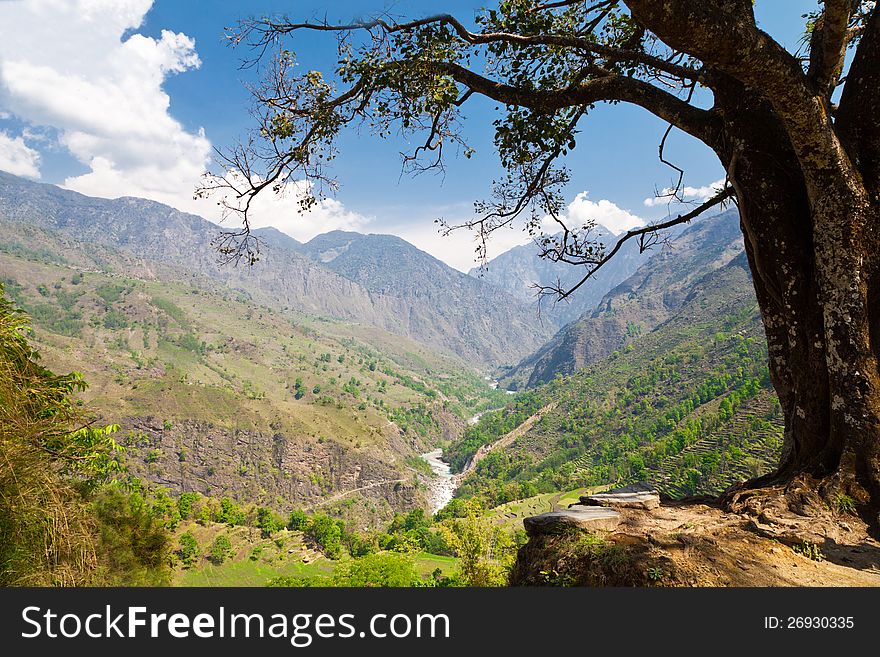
[802,508]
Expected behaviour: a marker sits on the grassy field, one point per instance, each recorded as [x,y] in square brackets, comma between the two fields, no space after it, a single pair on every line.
[250,573]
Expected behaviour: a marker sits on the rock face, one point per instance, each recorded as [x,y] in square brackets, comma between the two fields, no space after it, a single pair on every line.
[266,467]
[585,518]
[637,500]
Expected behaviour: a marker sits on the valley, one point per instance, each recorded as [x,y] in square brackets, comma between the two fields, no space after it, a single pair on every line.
[232,390]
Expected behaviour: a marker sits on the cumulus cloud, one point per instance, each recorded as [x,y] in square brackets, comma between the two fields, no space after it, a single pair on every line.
[687,193]
[458,249]
[603,212]
[282,211]
[17,158]
[74,67]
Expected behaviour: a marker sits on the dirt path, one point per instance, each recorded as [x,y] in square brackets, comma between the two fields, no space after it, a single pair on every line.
[338,496]
[504,441]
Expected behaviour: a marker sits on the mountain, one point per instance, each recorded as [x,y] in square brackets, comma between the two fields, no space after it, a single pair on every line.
[470,319]
[273,237]
[652,295]
[686,406]
[437,299]
[217,394]
[520,268]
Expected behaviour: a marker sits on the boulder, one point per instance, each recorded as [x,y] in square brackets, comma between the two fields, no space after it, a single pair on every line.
[585,518]
[626,500]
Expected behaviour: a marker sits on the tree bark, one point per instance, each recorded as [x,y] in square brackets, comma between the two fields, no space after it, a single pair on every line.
[818,304]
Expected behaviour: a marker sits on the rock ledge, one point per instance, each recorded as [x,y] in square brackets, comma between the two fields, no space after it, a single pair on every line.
[626,500]
[586,518]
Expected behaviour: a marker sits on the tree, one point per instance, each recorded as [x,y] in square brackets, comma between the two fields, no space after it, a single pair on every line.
[53,461]
[221,549]
[188,550]
[267,522]
[327,533]
[485,552]
[386,569]
[298,521]
[796,132]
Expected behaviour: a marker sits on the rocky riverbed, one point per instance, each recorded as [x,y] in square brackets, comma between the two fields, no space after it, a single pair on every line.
[443,485]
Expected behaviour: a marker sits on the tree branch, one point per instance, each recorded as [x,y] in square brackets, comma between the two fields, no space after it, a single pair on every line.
[697,122]
[725,37]
[640,233]
[828,45]
[269,28]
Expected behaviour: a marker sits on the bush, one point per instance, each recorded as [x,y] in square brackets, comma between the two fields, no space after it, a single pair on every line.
[384,569]
[185,504]
[221,550]
[327,533]
[298,521]
[188,550]
[229,513]
[267,522]
[48,532]
[134,543]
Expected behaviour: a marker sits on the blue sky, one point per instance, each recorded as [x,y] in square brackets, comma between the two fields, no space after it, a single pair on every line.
[128,97]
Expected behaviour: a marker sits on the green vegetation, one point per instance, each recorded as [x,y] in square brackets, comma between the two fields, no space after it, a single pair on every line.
[219,359]
[809,550]
[63,521]
[188,551]
[220,550]
[492,426]
[385,569]
[691,410]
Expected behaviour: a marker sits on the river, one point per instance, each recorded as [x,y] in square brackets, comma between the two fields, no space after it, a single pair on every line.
[442,487]
[444,484]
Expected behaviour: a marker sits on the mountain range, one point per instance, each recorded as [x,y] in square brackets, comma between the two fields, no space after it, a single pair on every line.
[429,301]
[331,364]
[520,269]
[653,294]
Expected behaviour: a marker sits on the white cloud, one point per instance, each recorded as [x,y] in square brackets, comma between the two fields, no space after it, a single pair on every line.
[687,193]
[282,211]
[603,212]
[17,158]
[458,249]
[64,64]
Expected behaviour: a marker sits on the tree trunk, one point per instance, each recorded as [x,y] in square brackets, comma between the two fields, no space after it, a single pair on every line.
[818,292]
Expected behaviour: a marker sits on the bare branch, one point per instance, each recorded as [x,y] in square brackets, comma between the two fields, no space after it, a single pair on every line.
[647,236]
[267,31]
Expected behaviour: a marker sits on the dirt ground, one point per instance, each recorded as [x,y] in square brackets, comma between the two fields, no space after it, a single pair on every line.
[711,548]
[696,544]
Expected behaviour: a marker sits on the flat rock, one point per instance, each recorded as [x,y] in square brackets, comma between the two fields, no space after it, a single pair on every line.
[625,500]
[586,518]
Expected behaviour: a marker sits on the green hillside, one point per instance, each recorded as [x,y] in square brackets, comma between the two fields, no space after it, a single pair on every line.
[687,407]
[218,395]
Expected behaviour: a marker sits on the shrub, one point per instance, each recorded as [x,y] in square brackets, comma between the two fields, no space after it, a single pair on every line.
[327,533]
[267,522]
[188,550]
[298,521]
[383,569]
[221,549]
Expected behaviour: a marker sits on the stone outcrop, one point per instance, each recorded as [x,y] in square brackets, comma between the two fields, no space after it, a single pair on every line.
[578,517]
[627,500]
